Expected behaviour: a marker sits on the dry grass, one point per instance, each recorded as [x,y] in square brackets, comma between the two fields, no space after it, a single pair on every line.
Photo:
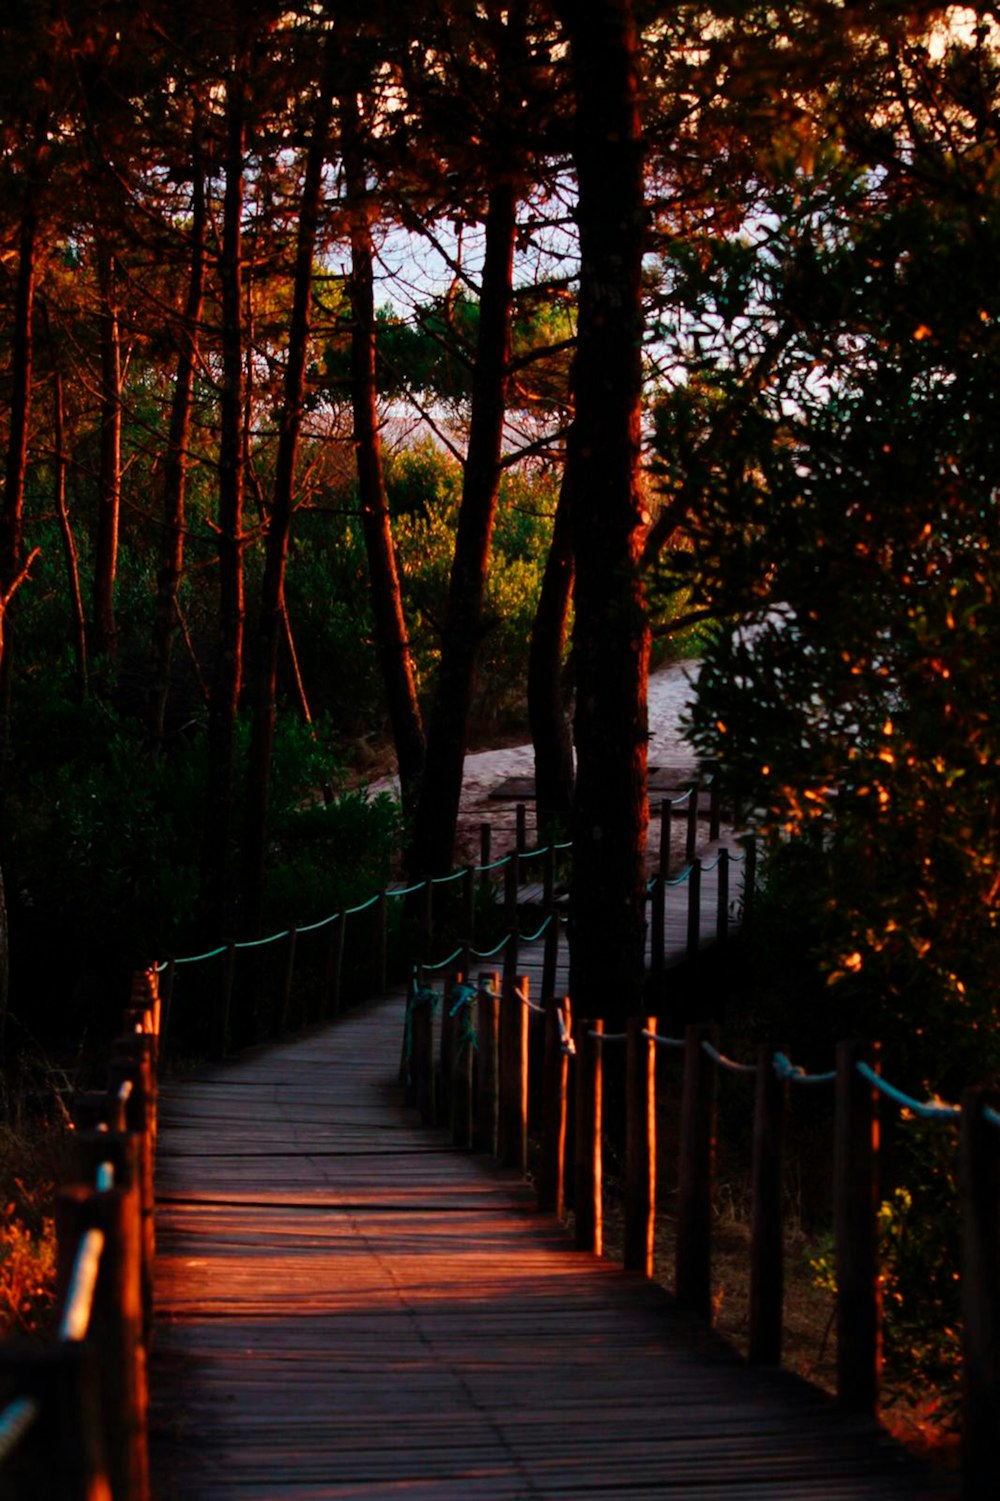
[32,1151]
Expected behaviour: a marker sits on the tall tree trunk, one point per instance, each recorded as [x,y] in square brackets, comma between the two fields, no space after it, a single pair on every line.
[550,727]
[70,554]
[110,470]
[217,862]
[15,470]
[175,463]
[272,603]
[441,786]
[386,598]
[611,629]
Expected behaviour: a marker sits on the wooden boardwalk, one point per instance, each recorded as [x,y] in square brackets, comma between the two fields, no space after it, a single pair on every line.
[347,1308]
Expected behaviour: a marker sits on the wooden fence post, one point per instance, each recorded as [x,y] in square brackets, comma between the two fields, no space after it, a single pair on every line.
[485,846]
[510,876]
[115,1328]
[588,1196]
[226,999]
[549,880]
[513,1127]
[722,899]
[767,1249]
[488,1087]
[469,910]
[422,1052]
[640,1145]
[555,1103]
[666,810]
[380,943]
[463,1036]
[167,983]
[855,1213]
[980,1189]
[695,1172]
[550,957]
[691,842]
[427,919]
[521,828]
[714,808]
[658,920]
[448,985]
[288,981]
[694,911]
[334,966]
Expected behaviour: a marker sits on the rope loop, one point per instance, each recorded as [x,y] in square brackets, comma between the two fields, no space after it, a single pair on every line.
[463,994]
[566,1042]
[793,1074]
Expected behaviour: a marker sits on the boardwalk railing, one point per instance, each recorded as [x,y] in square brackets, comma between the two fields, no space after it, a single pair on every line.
[74,1428]
[517,879]
[491,1105]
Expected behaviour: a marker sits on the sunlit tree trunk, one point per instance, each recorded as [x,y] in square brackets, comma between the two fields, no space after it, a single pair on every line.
[386,599]
[110,468]
[272,604]
[175,464]
[70,554]
[440,790]
[611,630]
[228,676]
[551,734]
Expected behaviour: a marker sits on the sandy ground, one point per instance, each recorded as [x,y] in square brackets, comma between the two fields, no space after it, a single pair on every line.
[670,688]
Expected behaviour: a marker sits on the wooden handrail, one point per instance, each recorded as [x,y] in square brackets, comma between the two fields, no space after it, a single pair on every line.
[89,1392]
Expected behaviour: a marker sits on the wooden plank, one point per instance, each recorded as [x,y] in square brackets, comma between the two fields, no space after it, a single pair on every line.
[347,1308]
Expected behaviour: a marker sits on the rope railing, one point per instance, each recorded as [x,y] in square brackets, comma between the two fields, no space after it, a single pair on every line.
[93,1374]
[501,1014]
[74,1325]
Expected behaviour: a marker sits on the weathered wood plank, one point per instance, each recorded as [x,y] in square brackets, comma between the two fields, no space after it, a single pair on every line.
[348,1308]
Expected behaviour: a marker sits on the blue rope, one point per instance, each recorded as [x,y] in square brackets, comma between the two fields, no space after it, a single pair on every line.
[991,1115]
[531,937]
[443,963]
[456,875]
[680,877]
[258,943]
[786,1069]
[196,958]
[489,953]
[406,890]
[323,922]
[350,911]
[927,1110]
[494,865]
[466,995]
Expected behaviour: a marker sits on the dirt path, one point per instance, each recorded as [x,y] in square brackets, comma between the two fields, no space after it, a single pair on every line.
[670,689]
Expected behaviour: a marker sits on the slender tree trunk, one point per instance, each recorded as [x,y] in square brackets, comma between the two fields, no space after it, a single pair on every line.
[110,472]
[175,463]
[21,371]
[12,514]
[611,630]
[70,554]
[272,605]
[441,786]
[386,598]
[550,727]
[228,676]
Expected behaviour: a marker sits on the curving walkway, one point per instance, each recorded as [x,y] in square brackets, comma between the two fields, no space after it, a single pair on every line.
[349,1308]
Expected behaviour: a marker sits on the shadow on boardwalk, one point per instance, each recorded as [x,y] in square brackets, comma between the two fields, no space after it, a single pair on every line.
[347,1307]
